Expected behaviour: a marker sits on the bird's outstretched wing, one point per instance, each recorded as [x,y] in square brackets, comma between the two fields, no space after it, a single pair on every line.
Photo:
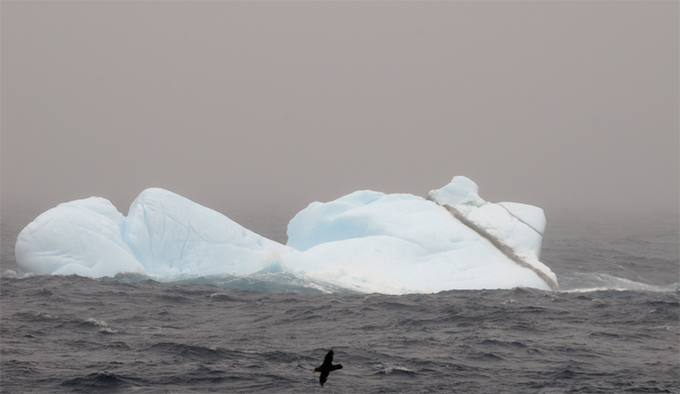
[323,377]
[329,358]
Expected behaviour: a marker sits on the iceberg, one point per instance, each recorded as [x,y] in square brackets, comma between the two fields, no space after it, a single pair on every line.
[80,237]
[366,241]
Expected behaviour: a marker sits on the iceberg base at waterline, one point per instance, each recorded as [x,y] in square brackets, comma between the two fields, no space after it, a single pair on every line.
[366,242]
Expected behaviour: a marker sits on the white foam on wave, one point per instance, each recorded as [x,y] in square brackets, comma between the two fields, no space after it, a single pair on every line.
[589,282]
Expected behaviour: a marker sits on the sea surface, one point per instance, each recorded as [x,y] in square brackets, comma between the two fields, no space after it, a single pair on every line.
[613,327]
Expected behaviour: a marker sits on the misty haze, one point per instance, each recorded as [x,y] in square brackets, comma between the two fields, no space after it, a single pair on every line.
[452,196]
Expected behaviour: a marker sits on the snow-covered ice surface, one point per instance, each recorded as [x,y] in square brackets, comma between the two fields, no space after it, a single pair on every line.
[364,242]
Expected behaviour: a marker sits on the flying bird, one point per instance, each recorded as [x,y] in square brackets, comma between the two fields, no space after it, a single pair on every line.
[326,367]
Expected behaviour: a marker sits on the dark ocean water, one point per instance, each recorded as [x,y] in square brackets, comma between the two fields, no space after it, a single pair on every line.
[73,334]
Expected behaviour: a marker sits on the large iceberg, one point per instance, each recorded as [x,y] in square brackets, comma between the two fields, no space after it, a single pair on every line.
[366,241]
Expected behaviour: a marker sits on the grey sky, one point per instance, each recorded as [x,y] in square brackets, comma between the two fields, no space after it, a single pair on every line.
[556,104]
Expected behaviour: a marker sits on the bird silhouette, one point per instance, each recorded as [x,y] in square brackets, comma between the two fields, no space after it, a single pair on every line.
[326,367]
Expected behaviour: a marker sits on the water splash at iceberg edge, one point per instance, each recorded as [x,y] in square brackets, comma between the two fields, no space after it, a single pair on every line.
[273,278]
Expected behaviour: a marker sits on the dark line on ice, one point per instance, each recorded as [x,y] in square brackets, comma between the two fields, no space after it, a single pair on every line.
[520,219]
[503,248]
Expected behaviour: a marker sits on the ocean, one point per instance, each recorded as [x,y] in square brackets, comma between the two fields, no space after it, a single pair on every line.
[613,327]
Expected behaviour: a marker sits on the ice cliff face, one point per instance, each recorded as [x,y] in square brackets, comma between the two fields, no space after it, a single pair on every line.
[366,241]
[514,229]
